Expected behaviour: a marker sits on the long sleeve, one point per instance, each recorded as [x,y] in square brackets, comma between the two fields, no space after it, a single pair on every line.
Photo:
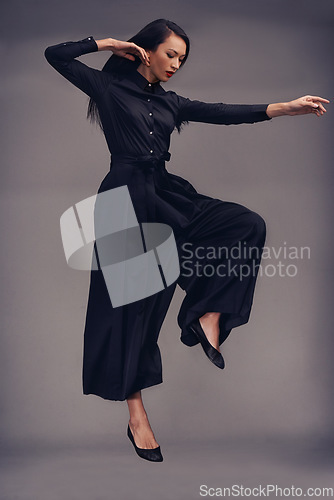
[220,113]
[62,56]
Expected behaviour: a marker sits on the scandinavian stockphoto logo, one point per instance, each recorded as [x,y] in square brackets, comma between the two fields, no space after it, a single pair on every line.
[102,233]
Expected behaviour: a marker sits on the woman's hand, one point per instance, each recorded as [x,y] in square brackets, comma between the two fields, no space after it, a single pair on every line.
[307,104]
[301,106]
[129,50]
[123,49]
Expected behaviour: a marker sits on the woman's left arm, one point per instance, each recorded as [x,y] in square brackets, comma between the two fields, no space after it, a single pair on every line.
[301,106]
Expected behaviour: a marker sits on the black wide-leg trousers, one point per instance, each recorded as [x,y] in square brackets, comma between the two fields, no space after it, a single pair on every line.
[219,247]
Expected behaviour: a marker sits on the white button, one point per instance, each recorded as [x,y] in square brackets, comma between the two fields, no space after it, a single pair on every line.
[148,100]
[151,151]
[150,114]
[149,85]
[151,132]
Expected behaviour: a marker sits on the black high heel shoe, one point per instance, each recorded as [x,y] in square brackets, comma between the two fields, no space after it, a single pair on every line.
[214,356]
[151,454]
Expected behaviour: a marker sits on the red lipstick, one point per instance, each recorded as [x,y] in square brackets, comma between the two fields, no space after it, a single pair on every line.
[169,73]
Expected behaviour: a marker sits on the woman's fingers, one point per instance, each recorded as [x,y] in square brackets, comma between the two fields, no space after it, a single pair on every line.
[141,53]
[317,98]
[315,102]
[129,50]
[319,109]
[144,56]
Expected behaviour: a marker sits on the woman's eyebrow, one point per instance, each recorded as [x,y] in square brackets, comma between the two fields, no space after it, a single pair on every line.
[176,52]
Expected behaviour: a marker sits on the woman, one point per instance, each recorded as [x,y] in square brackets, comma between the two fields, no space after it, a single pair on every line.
[137,116]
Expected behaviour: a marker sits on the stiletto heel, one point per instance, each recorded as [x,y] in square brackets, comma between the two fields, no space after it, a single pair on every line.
[153,455]
[214,356]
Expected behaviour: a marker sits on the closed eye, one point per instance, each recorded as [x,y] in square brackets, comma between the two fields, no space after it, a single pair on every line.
[171,57]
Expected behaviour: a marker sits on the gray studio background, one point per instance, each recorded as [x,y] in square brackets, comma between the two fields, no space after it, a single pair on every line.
[269,415]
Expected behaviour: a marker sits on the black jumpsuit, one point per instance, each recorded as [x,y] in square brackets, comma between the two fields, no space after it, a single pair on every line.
[121,354]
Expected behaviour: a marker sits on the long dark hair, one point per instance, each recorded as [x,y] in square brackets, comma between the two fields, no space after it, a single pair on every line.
[149,37]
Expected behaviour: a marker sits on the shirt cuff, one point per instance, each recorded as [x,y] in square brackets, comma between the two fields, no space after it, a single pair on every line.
[262,109]
[88,45]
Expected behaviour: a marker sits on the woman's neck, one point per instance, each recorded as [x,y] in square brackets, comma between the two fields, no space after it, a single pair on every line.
[146,73]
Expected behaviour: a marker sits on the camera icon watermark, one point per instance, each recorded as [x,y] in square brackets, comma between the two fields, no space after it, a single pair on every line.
[102,233]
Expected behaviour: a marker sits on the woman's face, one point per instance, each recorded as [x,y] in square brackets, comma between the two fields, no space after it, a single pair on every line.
[167,58]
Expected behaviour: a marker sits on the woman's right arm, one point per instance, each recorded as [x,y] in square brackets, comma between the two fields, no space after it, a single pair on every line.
[62,58]
[92,82]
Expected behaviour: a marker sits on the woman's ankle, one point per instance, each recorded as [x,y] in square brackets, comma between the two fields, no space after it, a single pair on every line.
[138,418]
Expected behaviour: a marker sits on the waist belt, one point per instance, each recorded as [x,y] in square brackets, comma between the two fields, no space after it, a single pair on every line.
[144,160]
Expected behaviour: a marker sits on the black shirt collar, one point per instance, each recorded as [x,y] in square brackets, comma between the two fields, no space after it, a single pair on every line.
[144,84]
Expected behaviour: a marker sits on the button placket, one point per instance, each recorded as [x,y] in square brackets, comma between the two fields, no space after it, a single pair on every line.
[151,125]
